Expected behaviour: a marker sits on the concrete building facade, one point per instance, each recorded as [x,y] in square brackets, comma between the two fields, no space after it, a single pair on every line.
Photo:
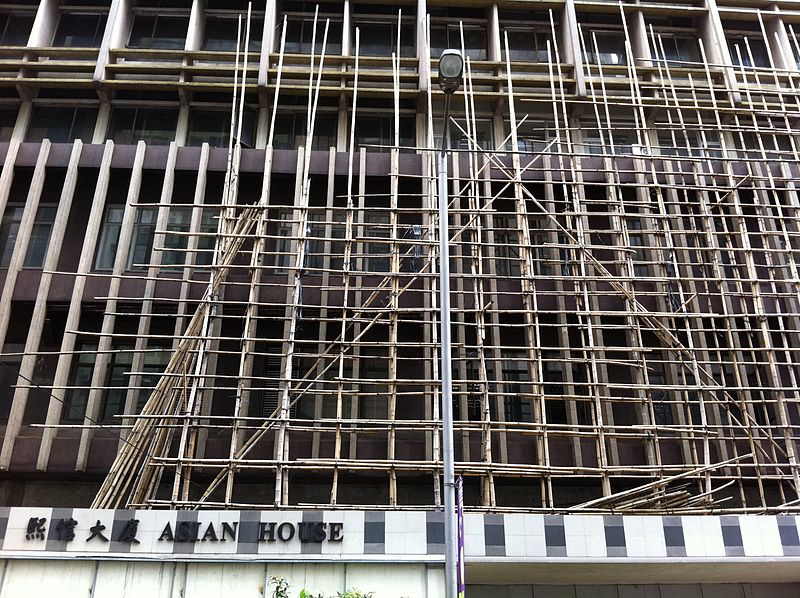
[219,293]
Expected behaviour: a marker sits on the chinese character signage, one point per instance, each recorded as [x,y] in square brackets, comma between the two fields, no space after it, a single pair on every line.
[210,534]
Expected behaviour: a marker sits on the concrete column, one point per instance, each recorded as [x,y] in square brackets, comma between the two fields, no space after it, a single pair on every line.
[94,404]
[33,339]
[42,31]
[494,52]
[423,47]
[23,119]
[640,48]
[716,47]
[268,42]
[118,28]
[777,40]
[102,123]
[421,127]
[342,124]
[499,126]
[23,237]
[44,25]
[197,26]
[182,130]
[194,41]
[90,238]
[571,47]
[262,126]
[268,35]
[347,29]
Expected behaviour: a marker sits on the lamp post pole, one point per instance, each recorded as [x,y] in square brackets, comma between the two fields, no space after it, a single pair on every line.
[451,65]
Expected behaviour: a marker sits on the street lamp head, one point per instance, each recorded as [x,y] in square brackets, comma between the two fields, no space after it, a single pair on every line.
[451,66]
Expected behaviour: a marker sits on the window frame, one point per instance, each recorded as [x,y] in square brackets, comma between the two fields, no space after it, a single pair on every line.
[99,31]
[135,133]
[157,15]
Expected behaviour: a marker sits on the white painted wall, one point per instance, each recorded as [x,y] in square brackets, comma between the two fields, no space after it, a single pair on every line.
[70,578]
[74,578]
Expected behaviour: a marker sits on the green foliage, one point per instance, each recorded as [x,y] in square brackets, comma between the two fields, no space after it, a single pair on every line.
[281,587]
[282,591]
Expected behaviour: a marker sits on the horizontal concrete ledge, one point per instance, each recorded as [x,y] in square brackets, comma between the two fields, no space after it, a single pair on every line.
[607,571]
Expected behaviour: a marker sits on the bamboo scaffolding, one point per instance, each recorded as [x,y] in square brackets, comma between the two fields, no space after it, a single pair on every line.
[625,290]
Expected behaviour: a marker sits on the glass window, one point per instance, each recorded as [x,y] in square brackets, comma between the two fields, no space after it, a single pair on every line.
[116,383]
[483,134]
[474,393]
[109,238]
[412,252]
[283,244]
[610,47]
[662,410]
[315,246]
[164,3]
[209,126]
[624,139]
[676,48]
[506,242]
[80,30]
[152,125]
[533,135]
[528,44]
[117,375]
[9,372]
[555,408]
[205,242]
[377,250]
[15,28]
[748,51]
[213,127]
[9,229]
[689,142]
[179,221]
[380,38]
[517,407]
[540,241]
[638,251]
[338,231]
[220,33]
[444,37]
[80,382]
[154,363]
[290,131]
[40,235]
[373,404]
[159,32]
[379,130]
[299,34]
[61,125]
[142,241]
[8,118]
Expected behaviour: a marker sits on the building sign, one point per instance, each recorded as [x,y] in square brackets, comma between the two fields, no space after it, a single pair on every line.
[390,536]
[211,534]
[190,531]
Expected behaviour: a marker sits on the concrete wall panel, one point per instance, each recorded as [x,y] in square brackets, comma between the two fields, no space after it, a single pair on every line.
[132,579]
[64,579]
[243,580]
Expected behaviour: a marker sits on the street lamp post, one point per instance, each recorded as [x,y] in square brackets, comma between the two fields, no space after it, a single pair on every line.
[451,66]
